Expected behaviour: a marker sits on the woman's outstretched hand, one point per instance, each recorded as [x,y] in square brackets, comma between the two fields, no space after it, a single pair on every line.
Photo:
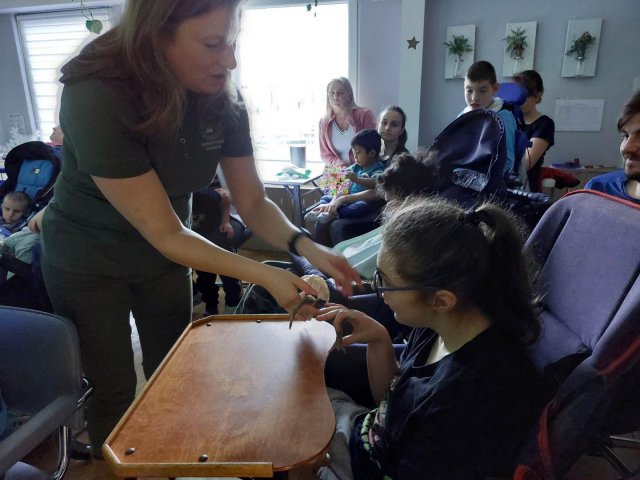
[332,264]
[288,290]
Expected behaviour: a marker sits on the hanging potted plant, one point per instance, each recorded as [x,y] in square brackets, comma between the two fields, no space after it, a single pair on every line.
[93,25]
[579,49]
[516,45]
[313,5]
[458,46]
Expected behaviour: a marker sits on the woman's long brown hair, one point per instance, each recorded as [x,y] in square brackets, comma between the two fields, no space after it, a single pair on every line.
[132,54]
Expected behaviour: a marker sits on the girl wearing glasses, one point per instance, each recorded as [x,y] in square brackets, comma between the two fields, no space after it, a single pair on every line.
[459,403]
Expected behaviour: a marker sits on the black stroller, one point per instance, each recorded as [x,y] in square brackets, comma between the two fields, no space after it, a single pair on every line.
[32,168]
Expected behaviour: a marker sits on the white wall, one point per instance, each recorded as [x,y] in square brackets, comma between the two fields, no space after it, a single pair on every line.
[386,73]
[618,64]
[378,62]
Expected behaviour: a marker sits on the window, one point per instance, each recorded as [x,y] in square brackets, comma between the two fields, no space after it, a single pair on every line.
[286,56]
[48,41]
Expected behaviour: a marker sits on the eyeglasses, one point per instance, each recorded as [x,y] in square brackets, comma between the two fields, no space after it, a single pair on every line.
[379,289]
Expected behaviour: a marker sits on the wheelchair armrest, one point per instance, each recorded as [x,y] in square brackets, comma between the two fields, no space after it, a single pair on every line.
[35,430]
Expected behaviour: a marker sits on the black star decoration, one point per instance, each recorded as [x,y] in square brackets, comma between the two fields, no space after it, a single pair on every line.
[413,43]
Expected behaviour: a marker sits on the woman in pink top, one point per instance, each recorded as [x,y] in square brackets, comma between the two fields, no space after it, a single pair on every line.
[341,122]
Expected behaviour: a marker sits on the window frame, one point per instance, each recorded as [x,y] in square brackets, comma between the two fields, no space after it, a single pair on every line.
[104,13]
[352,55]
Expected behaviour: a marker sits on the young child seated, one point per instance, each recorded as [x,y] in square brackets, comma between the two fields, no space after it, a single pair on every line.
[480,87]
[212,219]
[406,175]
[365,145]
[463,396]
[15,207]
[18,287]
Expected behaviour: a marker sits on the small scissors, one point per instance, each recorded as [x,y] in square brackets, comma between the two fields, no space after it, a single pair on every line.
[306,300]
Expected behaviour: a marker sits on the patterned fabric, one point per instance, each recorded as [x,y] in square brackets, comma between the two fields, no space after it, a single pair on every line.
[333,181]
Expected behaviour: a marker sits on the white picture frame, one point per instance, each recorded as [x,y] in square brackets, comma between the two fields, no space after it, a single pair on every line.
[452,68]
[571,67]
[511,66]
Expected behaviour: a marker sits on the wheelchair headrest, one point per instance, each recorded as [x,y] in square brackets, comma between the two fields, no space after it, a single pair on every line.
[512,93]
[473,141]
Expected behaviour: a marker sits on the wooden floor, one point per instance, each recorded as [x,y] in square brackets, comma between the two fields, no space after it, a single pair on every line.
[588,468]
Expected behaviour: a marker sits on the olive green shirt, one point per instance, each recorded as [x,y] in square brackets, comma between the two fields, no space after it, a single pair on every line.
[82,231]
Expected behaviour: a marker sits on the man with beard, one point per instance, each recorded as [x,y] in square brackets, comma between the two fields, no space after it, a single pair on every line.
[625,183]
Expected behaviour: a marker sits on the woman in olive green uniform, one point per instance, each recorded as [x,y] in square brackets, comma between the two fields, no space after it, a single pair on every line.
[148,113]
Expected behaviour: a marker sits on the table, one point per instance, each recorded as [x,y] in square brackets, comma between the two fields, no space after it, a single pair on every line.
[582,173]
[238,395]
[293,186]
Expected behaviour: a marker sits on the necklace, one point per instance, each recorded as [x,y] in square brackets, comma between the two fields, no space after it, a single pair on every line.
[341,130]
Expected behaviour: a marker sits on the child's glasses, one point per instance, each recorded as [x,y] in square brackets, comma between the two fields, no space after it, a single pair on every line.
[377,286]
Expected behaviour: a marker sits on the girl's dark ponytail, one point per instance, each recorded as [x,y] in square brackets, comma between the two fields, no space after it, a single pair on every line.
[476,254]
[507,296]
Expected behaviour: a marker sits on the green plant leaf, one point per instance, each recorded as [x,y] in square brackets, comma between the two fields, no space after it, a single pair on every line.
[580,45]
[94,26]
[459,45]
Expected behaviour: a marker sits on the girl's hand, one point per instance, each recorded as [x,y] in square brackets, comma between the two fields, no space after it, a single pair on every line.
[337,203]
[325,207]
[351,176]
[365,329]
[284,286]
[226,228]
[331,263]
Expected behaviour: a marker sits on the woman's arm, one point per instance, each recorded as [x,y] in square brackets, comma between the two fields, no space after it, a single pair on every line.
[326,152]
[534,152]
[382,365]
[142,200]
[365,196]
[363,118]
[269,223]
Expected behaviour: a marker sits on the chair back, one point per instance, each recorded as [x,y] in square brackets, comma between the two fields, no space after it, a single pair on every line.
[470,154]
[589,279]
[39,359]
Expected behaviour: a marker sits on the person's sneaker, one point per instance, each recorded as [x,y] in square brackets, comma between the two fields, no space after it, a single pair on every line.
[326,217]
[311,216]
[210,309]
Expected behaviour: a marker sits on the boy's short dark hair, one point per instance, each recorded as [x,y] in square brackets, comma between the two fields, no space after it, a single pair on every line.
[482,70]
[629,110]
[20,197]
[369,139]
